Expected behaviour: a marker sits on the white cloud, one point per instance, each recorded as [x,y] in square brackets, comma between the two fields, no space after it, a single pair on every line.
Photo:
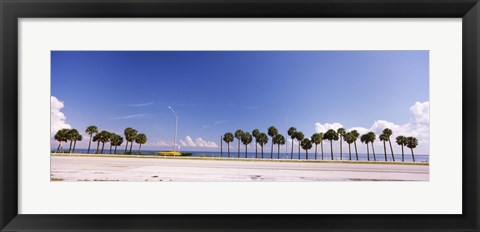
[57,117]
[421,112]
[139,104]
[327,126]
[130,116]
[199,142]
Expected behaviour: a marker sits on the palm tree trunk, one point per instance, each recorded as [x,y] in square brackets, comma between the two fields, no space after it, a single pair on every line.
[228,150]
[349,151]
[246,150]
[70,148]
[278,151]
[139,148]
[391,149]
[340,147]
[221,147]
[373,151]
[368,153]
[126,146]
[58,148]
[306,153]
[262,151]
[331,149]
[316,145]
[103,145]
[291,155]
[238,153]
[74,145]
[413,157]
[271,151]
[131,143]
[256,147]
[356,153]
[403,157]
[321,146]
[98,144]
[90,141]
[385,150]
[110,148]
[115,149]
[299,149]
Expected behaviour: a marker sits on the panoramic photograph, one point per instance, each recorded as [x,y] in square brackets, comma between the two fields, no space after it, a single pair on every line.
[239,116]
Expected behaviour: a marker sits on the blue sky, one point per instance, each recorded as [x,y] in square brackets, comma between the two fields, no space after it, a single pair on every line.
[214,92]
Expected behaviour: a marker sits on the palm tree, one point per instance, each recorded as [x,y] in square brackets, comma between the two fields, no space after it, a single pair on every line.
[246,139]
[228,138]
[316,139]
[383,138]
[291,132]
[104,137]
[341,133]
[76,137]
[90,131]
[238,136]
[279,140]
[70,137]
[255,134]
[262,140]
[365,139]
[306,145]
[140,139]
[116,141]
[61,136]
[112,137]
[387,132]
[402,141]
[412,143]
[372,137]
[356,135]
[272,131]
[349,138]
[331,135]
[299,136]
[96,138]
[321,143]
[130,135]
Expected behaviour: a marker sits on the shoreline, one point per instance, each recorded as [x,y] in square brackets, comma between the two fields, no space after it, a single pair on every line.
[238,159]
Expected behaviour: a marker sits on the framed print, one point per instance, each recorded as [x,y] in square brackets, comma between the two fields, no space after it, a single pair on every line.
[277,115]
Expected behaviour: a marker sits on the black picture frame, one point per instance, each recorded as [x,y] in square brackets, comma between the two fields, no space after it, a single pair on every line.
[11,11]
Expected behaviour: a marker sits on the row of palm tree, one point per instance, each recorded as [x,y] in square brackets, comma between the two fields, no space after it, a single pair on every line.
[72,135]
[306,144]
[65,135]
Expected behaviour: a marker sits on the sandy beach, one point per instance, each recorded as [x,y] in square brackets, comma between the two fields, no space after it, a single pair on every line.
[90,168]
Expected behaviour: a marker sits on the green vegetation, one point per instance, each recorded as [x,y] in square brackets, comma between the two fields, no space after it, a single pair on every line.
[292,132]
[272,131]
[72,135]
[331,135]
[238,136]
[228,138]
[90,131]
[246,139]
[279,140]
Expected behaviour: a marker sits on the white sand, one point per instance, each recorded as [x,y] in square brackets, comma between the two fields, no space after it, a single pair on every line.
[141,169]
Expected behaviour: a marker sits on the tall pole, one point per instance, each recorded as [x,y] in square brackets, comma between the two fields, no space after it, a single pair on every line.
[176,128]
